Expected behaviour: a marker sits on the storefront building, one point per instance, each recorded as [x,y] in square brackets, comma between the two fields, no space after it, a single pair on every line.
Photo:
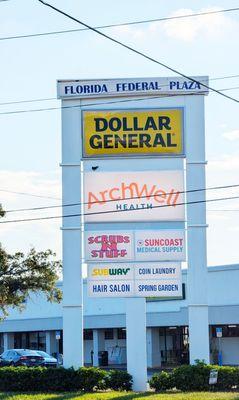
[40,325]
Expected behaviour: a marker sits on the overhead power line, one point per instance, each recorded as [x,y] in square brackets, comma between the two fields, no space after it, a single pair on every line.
[115,211]
[114,200]
[131,23]
[102,103]
[137,51]
[28,194]
[6,103]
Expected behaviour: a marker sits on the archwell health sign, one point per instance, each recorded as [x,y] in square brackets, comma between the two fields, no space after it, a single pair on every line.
[112,133]
[134,196]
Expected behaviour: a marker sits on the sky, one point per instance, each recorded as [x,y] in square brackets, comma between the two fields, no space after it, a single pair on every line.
[30,151]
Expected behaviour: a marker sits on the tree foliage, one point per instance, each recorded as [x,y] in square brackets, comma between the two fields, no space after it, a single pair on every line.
[21,275]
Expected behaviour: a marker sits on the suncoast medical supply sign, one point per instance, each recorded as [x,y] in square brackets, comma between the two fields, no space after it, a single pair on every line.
[137,279]
[145,245]
[134,196]
[132,132]
[159,245]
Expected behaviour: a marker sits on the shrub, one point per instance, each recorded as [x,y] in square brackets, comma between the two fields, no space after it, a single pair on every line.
[192,377]
[162,381]
[118,380]
[89,379]
[227,378]
[196,377]
[50,379]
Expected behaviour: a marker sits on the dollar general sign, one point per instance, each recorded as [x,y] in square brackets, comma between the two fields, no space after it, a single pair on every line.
[129,132]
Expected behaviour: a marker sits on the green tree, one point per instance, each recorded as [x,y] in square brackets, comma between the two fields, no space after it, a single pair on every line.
[21,275]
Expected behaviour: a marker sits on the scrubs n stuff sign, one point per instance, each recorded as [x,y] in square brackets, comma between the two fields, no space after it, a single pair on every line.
[121,246]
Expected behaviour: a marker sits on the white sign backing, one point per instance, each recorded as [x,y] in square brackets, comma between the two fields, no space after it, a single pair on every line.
[134,196]
[135,280]
[160,245]
[115,246]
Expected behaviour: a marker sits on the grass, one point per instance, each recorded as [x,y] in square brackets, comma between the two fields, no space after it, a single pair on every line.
[122,396]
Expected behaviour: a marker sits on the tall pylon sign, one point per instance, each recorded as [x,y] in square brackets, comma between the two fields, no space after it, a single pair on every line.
[133,161]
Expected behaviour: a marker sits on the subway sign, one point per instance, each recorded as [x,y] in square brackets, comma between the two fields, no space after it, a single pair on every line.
[132,132]
[135,280]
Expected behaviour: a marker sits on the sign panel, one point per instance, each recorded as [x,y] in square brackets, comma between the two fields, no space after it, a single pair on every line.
[138,271]
[99,272]
[219,332]
[157,270]
[145,245]
[134,196]
[213,377]
[101,246]
[131,87]
[130,132]
[58,335]
[135,280]
[158,288]
[160,245]
[110,288]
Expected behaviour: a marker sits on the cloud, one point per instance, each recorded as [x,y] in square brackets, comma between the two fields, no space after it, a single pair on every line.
[132,31]
[40,234]
[29,182]
[227,163]
[188,29]
[211,26]
[231,135]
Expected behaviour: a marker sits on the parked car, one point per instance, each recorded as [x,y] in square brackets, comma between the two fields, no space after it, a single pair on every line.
[48,361]
[24,357]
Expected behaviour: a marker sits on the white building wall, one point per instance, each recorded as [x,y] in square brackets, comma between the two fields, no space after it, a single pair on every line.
[223,291]
[223,302]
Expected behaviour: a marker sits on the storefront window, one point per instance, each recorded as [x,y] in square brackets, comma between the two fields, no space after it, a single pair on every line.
[30,340]
[88,334]
[33,340]
[109,334]
[42,341]
[227,330]
[174,345]
[24,343]
[121,333]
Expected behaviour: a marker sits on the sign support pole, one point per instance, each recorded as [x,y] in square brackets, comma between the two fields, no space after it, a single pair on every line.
[196,238]
[72,241]
[136,342]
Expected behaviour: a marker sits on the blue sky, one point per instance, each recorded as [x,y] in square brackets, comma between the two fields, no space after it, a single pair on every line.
[30,142]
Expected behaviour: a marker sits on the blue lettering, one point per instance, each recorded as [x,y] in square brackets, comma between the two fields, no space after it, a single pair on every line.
[172,84]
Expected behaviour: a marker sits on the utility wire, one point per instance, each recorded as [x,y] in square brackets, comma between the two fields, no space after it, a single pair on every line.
[102,103]
[113,200]
[29,194]
[6,103]
[93,104]
[54,98]
[120,24]
[116,211]
[137,51]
